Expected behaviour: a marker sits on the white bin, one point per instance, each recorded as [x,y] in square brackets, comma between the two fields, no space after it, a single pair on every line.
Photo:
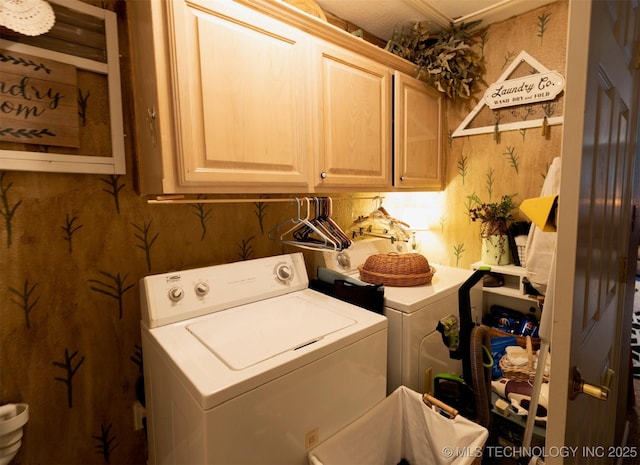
[402,427]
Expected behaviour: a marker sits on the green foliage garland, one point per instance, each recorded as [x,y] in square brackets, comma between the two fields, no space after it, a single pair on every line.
[446,61]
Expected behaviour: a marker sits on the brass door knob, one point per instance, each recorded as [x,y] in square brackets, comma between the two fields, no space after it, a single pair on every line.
[579,386]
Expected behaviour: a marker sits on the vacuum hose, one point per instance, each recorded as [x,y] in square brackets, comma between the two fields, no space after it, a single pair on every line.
[481,363]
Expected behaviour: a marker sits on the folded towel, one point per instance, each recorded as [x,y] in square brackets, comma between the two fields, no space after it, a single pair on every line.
[517,356]
[541,245]
[547,365]
[516,351]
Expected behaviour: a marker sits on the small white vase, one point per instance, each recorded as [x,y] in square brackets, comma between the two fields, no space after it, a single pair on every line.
[495,250]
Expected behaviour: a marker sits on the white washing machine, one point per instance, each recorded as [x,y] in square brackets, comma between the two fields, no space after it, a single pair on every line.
[244,364]
[416,351]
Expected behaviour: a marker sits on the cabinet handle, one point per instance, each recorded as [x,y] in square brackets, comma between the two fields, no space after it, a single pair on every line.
[401,178]
[323,175]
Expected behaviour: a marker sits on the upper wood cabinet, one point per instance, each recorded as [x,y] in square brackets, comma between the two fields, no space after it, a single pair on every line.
[354,127]
[254,96]
[418,134]
[227,111]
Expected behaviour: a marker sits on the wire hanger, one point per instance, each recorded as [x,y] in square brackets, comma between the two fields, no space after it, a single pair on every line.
[323,220]
[379,223]
[319,232]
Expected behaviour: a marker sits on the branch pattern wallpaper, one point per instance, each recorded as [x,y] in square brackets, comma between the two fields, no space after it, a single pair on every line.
[73,248]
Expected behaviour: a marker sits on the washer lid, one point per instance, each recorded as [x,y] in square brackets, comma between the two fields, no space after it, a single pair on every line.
[250,334]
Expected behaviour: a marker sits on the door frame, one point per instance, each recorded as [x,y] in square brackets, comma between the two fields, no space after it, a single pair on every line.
[568,232]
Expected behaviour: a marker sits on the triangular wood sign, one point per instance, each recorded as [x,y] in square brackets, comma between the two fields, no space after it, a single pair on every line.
[484,120]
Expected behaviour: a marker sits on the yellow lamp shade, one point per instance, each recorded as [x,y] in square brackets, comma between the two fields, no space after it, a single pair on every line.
[541,211]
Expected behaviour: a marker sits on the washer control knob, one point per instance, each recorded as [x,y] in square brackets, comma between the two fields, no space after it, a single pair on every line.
[201,289]
[176,293]
[284,273]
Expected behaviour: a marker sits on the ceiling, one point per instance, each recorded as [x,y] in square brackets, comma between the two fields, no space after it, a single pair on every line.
[380,17]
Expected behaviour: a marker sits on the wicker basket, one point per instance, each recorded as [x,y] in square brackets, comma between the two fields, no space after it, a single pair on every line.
[521,373]
[520,340]
[398,270]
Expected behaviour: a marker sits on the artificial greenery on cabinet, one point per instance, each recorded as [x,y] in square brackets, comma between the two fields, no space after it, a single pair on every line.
[446,60]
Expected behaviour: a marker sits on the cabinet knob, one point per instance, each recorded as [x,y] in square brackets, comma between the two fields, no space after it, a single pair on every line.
[401,178]
[323,175]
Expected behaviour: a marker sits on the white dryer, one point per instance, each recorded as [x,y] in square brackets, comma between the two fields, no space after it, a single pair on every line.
[244,364]
[416,351]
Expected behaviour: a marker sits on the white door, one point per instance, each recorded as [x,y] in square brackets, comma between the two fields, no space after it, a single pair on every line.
[594,230]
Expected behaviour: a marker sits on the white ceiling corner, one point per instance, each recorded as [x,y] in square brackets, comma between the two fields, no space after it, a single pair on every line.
[381,17]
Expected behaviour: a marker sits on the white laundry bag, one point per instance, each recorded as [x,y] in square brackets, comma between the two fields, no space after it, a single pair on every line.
[402,427]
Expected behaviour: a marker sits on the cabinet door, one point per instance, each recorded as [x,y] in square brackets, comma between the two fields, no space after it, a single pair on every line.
[239,83]
[354,127]
[417,134]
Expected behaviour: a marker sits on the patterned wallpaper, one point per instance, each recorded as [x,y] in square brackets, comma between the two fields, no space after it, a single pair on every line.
[490,165]
[73,248]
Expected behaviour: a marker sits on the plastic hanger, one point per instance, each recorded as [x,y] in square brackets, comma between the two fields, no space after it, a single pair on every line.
[303,232]
[380,224]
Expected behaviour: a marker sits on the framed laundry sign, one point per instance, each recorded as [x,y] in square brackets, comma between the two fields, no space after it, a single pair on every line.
[60,98]
[530,94]
[38,101]
[534,88]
